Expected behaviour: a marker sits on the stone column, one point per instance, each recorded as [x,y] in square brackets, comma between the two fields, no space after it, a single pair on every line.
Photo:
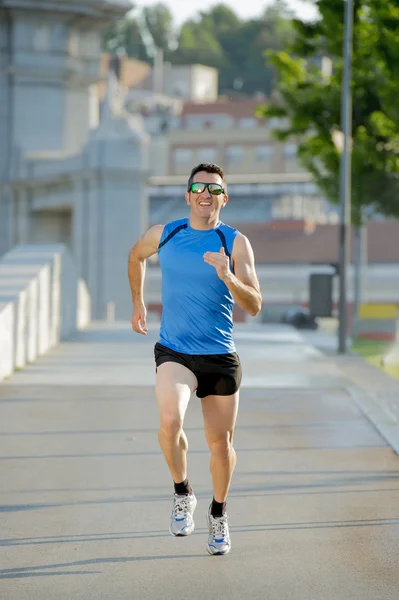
[22,217]
[117,203]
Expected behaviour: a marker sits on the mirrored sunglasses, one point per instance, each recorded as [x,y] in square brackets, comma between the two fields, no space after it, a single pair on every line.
[214,188]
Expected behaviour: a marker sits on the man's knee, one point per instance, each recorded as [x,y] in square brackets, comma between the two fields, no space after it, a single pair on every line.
[221,446]
[171,424]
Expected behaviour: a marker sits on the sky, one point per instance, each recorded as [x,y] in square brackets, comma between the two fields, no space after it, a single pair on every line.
[184,9]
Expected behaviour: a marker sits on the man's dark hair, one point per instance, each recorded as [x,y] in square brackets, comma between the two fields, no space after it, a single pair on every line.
[208,168]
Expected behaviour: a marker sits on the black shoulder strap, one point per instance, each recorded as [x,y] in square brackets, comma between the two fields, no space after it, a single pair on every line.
[224,244]
[172,234]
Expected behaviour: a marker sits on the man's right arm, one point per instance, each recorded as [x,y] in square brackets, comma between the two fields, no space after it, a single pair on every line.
[146,246]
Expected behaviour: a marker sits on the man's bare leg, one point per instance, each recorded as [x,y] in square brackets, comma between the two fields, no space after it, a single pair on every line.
[220,414]
[174,386]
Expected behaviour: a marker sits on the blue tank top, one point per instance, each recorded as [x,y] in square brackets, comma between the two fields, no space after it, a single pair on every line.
[197,307]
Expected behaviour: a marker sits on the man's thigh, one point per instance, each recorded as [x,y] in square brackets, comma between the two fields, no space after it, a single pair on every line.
[220,415]
[174,385]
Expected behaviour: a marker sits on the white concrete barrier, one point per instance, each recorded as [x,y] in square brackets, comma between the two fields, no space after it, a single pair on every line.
[42,301]
[7,319]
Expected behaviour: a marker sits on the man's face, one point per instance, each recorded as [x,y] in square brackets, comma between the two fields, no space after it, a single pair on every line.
[203,203]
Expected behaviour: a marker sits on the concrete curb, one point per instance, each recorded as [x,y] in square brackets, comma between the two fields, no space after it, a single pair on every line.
[376,394]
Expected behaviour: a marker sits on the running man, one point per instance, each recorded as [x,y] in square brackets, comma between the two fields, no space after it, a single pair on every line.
[206,267]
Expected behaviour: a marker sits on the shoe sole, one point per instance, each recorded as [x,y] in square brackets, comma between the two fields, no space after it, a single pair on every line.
[217,553]
[182,534]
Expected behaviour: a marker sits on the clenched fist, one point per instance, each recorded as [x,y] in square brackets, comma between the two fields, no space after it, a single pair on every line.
[220,261]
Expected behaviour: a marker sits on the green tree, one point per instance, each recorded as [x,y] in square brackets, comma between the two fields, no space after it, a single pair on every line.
[245,49]
[198,44]
[137,36]
[160,26]
[219,38]
[220,19]
[125,37]
[310,101]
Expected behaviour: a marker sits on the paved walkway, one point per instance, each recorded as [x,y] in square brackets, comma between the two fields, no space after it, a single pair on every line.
[85,495]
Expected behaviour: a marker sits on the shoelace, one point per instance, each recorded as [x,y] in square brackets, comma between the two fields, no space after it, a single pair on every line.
[180,507]
[219,527]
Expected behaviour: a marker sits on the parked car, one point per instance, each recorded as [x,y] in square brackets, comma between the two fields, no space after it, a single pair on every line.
[300,318]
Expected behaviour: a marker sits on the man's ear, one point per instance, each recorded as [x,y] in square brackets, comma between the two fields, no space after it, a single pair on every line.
[187,196]
[226,199]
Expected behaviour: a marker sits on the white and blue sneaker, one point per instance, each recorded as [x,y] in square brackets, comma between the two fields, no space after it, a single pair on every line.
[219,538]
[182,520]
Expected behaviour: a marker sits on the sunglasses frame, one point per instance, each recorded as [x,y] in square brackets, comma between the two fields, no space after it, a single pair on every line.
[206,186]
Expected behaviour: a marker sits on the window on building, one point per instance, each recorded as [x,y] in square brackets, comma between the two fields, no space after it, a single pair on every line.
[182,156]
[290,150]
[207,155]
[274,122]
[263,153]
[42,38]
[194,122]
[248,123]
[221,121]
[235,154]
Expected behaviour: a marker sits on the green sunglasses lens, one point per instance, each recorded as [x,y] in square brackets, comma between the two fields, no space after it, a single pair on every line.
[198,188]
[214,188]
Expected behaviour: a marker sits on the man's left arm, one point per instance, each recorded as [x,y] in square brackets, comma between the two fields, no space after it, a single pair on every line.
[243,283]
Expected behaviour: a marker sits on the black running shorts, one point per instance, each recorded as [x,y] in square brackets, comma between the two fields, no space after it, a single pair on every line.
[217,374]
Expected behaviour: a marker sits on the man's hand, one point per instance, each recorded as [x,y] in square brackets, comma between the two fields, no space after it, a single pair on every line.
[138,320]
[220,261]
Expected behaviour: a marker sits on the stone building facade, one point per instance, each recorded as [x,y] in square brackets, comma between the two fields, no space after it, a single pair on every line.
[67,175]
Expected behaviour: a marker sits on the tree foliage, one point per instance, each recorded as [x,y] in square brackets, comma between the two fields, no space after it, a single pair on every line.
[217,38]
[310,100]
[125,38]
[141,32]
[159,24]
[197,44]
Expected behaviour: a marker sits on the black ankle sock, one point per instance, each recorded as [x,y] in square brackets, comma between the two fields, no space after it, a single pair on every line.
[183,488]
[218,508]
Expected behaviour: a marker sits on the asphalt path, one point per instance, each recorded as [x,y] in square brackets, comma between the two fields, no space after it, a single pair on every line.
[85,495]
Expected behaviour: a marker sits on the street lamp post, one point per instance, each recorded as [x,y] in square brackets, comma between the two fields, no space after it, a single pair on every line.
[345,176]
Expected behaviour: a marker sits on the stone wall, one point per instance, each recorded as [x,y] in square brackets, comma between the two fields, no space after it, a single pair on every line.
[42,302]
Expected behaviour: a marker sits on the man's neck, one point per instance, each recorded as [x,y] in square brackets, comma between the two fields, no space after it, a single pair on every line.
[203,224]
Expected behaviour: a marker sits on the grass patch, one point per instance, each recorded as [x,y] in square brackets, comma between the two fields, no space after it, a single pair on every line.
[374,352]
